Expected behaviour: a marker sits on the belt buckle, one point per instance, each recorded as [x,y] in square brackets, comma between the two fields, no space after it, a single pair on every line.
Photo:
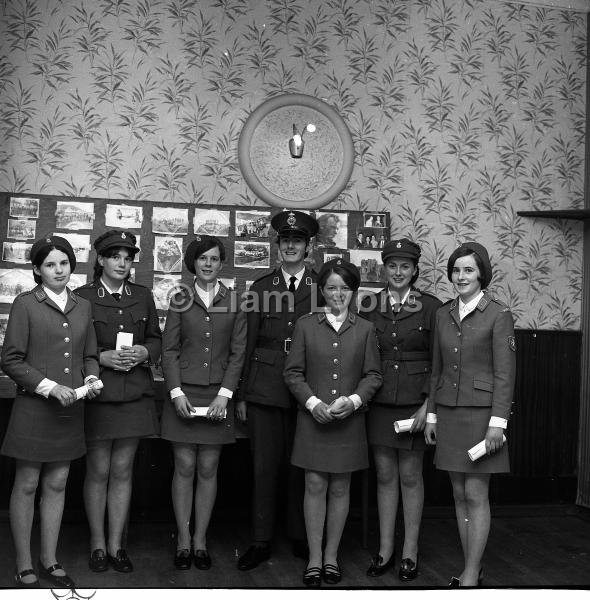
[287,345]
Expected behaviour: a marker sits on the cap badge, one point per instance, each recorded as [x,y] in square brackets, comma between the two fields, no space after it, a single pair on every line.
[48,240]
[291,220]
[338,262]
[198,238]
[123,236]
[398,245]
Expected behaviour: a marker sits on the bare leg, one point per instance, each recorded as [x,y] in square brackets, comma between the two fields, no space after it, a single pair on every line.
[386,464]
[458,484]
[478,507]
[22,509]
[338,502]
[98,459]
[207,462]
[314,511]
[53,487]
[412,486]
[185,459]
[119,492]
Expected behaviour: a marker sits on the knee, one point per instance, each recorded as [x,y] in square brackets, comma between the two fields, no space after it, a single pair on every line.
[475,499]
[339,489]
[55,484]
[26,486]
[411,479]
[207,470]
[385,475]
[184,467]
[121,471]
[459,495]
[315,486]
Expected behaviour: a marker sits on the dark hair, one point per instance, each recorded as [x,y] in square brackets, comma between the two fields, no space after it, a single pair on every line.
[109,253]
[460,253]
[349,279]
[207,244]
[43,254]
[415,263]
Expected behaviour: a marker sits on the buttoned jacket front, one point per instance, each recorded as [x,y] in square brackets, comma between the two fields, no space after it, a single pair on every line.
[405,345]
[474,360]
[134,313]
[42,342]
[203,346]
[328,364]
[271,323]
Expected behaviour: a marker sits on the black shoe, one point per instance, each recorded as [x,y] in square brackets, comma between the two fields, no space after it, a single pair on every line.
[455,582]
[312,577]
[121,562]
[202,560]
[98,561]
[253,557]
[183,559]
[18,578]
[332,573]
[408,569]
[56,581]
[378,567]
[300,549]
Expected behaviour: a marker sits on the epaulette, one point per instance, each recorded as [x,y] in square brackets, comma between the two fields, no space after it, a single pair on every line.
[500,303]
[306,316]
[266,276]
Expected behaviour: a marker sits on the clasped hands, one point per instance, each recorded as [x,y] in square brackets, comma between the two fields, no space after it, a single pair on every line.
[66,396]
[124,359]
[215,412]
[341,408]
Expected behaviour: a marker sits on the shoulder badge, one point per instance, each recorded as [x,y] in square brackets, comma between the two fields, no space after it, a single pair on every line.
[275,280]
[308,280]
[512,343]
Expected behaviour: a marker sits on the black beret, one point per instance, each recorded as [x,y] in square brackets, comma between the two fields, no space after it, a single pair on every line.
[475,248]
[198,246]
[114,238]
[59,243]
[294,221]
[342,264]
[403,248]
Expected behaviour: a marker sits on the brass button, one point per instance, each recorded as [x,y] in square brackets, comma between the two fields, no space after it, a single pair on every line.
[66,355]
[334,375]
[121,327]
[336,361]
[396,366]
[394,334]
[458,334]
[205,364]
[206,349]
[335,345]
[455,367]
[454,385]
[120,312]
[334,392]
[290,323]
[420,328]
[207,319]
[66,340]
[395,347]
[455,349]
[65,325]
[66,370]
[207,335]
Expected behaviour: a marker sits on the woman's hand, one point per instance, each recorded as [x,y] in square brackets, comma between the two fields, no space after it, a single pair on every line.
[64,395]
[217,408]
[419,418]
[343,407]
[494,441]
[183,406]
[112,359]
[430,433]
[92,393]
[133,355]
[241,411]
[321,413]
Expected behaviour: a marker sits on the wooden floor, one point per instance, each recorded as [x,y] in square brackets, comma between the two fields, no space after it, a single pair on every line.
[547,546]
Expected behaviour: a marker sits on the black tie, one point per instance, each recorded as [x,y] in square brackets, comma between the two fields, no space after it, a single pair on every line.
[116,296]
[292,280]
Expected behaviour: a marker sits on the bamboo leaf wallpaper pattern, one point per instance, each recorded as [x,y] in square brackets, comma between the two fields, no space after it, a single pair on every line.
[462,113]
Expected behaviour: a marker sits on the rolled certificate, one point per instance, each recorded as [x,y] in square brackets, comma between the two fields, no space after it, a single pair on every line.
[82,391]
[403,425]
[479,449]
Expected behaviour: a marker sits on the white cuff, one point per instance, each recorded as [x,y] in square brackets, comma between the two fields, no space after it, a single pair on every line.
[45,386]
[225,393]
[90,378]
[175,392]
[498,422]
[312,402]
[431,418]
[356,400]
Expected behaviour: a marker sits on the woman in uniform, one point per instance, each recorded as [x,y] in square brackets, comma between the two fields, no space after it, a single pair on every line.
[203,349]
[333,370]
[472,384]
[125,411]
[404,319]
[49,350]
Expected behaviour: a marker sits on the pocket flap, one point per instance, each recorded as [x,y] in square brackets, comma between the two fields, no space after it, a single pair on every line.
[478,384]
[265,355]
[138,315]
[416,367]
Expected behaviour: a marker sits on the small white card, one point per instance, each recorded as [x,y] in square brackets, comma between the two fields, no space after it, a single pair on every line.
[201,411]
[124,339]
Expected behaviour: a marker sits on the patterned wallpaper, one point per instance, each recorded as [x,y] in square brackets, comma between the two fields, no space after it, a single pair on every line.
[462,113]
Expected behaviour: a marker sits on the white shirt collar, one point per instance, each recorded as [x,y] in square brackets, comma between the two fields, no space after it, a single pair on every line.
[403,300]
[207,295]
[109,290]
[336,321]
[465,309]
[60,299]
[298,275]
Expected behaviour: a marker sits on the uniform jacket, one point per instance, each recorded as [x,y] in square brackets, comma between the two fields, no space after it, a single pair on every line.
[405,343]
[134,313]
[329,364]
[474,360]
[268,329]
[43,342]
[201,346]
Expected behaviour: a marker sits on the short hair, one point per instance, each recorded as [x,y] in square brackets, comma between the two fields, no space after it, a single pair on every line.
[460,253]
[43,254]
[109,253]
[349,279]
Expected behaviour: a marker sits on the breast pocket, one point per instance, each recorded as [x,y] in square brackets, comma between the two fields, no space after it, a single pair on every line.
[139,320]
[417,337]
[482,392]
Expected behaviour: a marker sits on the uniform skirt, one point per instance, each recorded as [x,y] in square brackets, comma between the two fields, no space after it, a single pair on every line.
[198,430]
[117,420]
[380,429]
[42,430]
[457,430]
[336,447]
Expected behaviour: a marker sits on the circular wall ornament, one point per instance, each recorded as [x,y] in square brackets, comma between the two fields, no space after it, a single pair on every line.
[269,168]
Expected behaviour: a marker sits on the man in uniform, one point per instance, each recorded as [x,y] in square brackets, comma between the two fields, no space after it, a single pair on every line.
[281,297]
